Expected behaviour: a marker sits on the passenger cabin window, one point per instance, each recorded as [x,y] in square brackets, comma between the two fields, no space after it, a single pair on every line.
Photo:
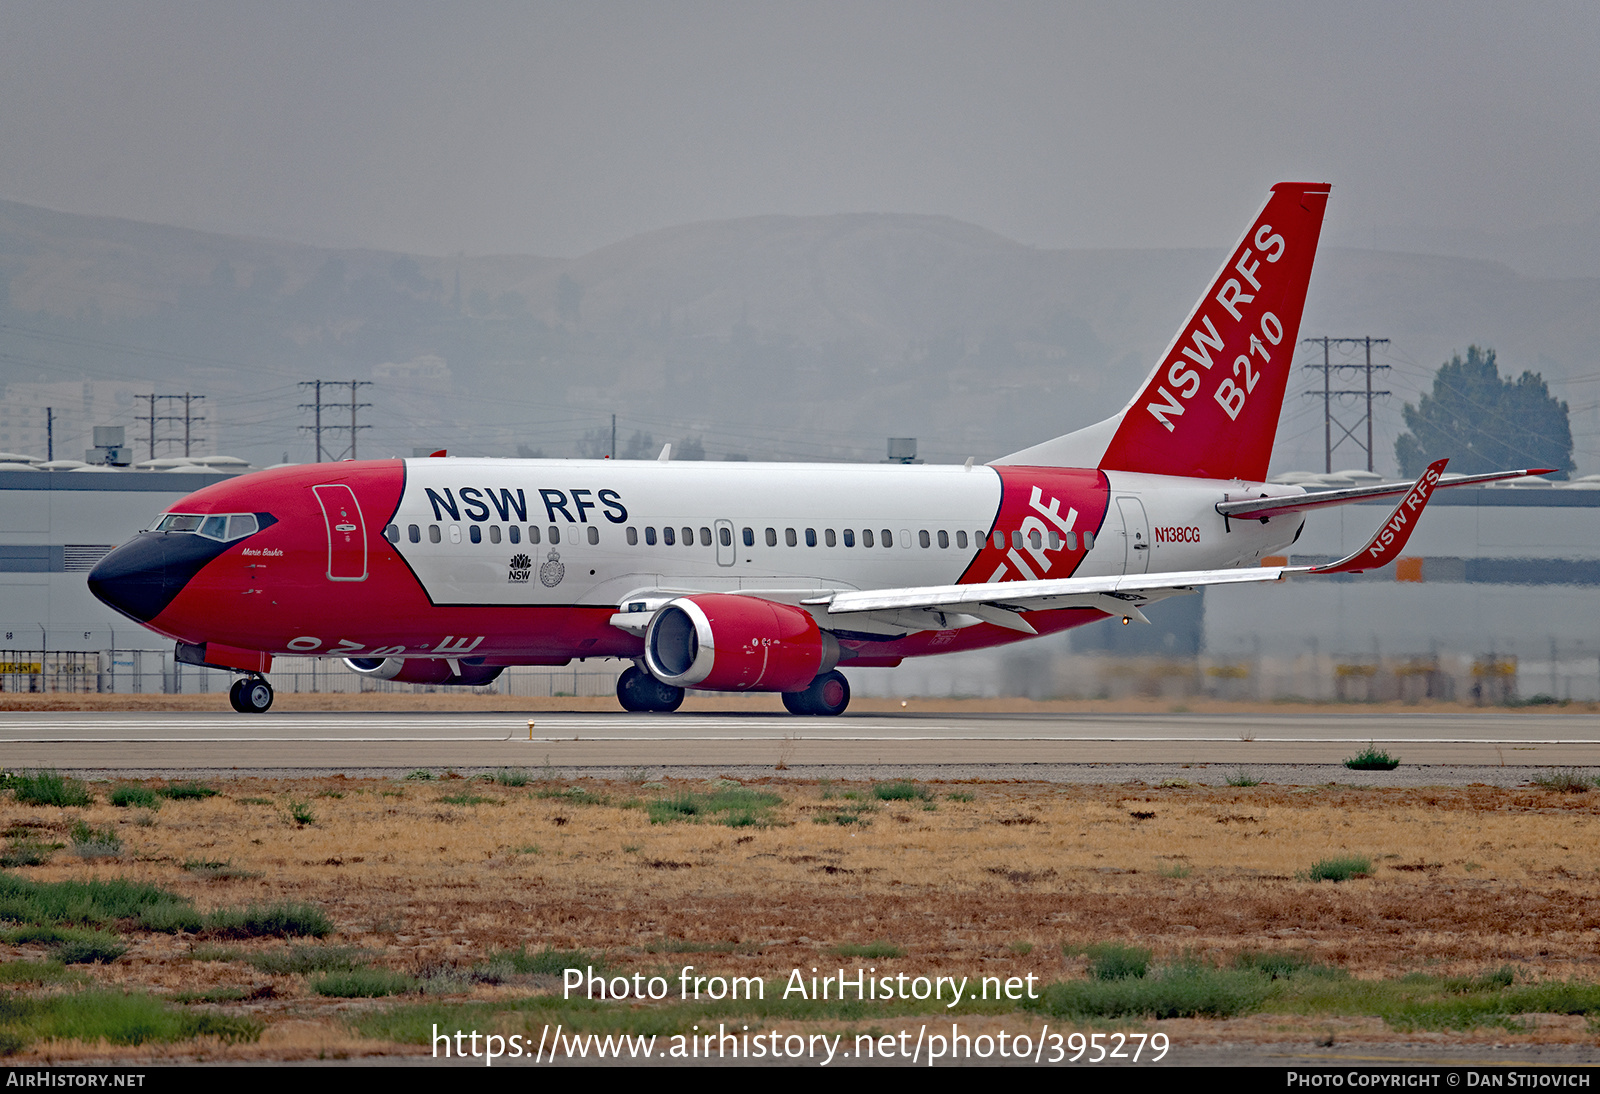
[944,538]
[961,540]
[555,535]
[749,537]
[668,536]
[1088,541]
[866,537]
[476,533]
[413,533]
[1055,540]
[433,533]
[688,538]
[392,533]
[888,538]
[772,537]
[811,537]
[705,537]
[533,534]
[494,533]
[828,538]
[594,535]
[922,538]
[849,537]
[633,536]
[789,537]
[515,533]
[649,536]
[725,536]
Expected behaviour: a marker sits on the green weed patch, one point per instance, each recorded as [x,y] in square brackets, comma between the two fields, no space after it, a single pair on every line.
[183,792]
[121,1019]
[1340,869]
[733,806]
[363,984]
[49,788]
[1372,759]
[304,960]
[125,796]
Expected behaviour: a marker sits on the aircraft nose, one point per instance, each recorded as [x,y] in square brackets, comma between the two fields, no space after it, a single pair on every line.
[140,578]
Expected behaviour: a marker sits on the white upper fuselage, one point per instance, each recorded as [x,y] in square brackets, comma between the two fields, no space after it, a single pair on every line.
[595,532]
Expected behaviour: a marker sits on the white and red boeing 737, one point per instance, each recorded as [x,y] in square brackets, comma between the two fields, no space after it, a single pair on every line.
[764,577]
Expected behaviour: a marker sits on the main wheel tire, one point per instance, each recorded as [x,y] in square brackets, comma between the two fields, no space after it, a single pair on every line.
[236,697]
[629,692]
[255,697]
[664,697]
[640,692]
[828,695]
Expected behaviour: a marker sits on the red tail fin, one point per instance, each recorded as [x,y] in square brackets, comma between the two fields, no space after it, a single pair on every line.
[1210,408]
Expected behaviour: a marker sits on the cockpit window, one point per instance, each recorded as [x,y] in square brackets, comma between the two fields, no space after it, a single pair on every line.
[223,527]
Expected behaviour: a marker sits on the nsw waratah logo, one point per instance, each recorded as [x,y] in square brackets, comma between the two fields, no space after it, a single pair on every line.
[552,571]
[521,567]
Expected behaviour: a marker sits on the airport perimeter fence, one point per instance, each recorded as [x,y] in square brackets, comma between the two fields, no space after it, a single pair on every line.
[156,672]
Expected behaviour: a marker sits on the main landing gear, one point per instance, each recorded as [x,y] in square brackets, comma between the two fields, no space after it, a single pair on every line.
[828,695]
[640,692]
[251,695]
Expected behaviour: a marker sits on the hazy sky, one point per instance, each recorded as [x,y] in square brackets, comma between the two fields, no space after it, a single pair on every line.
[558,128]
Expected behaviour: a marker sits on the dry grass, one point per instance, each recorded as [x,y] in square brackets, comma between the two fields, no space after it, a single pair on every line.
[1463,879]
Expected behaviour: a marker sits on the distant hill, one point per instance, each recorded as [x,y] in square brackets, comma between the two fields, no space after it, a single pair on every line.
[766,337]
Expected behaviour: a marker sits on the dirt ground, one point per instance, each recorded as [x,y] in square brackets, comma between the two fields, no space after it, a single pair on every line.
[971,879]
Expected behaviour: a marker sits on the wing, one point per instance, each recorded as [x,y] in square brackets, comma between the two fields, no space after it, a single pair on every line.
[1001,603]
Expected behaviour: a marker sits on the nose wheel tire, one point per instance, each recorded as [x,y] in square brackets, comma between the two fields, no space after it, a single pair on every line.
[642,693]
[251,695]
[828,695]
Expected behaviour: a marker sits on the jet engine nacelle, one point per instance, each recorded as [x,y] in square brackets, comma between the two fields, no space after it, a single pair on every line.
[424,670]
[721,642]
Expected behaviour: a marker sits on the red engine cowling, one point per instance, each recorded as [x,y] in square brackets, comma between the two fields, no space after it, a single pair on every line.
[424,670]
[721,642]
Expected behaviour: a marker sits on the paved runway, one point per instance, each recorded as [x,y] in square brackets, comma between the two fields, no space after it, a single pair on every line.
[1069,747]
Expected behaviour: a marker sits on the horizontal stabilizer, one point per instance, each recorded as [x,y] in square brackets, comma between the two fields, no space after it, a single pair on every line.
[1299,503]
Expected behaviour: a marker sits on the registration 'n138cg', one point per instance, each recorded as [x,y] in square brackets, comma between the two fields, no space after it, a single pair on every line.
[763,577]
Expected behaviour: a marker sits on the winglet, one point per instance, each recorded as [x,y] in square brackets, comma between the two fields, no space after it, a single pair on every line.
[1391,539]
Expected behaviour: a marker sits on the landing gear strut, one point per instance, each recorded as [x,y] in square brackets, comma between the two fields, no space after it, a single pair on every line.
[828,695]
[251,695]
[640,692]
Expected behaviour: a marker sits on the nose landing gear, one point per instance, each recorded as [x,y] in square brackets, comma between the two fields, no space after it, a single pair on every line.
[251,695]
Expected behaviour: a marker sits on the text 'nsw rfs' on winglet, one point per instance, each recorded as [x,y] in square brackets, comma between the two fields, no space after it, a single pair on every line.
[1391,539]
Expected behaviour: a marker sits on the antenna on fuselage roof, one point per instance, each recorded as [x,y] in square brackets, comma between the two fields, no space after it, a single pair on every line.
[666,453]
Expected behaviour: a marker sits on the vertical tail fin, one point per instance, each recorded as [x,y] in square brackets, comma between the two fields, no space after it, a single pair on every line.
[1210,407]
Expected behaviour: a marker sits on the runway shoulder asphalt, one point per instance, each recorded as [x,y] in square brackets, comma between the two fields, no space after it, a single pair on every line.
[1496,747]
